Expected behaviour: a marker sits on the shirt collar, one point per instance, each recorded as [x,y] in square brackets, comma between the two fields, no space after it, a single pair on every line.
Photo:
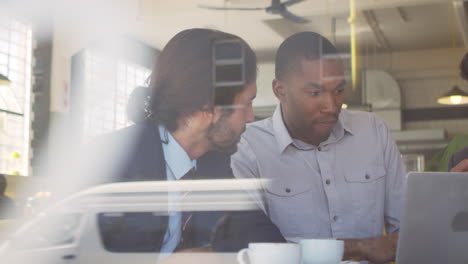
[175,156]
[284,139]
[281,132]
[345,121]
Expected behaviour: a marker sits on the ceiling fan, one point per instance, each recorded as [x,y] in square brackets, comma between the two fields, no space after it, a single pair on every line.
[277,8]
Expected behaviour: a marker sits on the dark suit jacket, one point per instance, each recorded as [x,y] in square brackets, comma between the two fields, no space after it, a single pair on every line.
[135,154]
[457,157]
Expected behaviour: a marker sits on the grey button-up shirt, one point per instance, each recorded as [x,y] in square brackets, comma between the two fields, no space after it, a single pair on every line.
[347,187]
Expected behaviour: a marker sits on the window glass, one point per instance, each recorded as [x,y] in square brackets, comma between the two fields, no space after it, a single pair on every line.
[15,63]
[108,85]
[52,231]
[132,231]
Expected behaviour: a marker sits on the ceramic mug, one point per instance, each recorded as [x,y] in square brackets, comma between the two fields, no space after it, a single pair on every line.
[270,253]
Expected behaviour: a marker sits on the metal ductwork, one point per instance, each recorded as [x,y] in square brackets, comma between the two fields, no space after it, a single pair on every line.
[382,94]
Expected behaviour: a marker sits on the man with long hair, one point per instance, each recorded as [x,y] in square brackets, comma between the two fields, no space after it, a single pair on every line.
[190,130]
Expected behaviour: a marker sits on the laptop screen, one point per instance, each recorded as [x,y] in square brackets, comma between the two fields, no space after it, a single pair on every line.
[434,225]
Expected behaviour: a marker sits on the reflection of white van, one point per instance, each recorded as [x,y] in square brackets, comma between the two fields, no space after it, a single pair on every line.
[85,228]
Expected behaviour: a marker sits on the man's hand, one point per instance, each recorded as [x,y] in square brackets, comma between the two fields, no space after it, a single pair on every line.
[376,250]
[461,167]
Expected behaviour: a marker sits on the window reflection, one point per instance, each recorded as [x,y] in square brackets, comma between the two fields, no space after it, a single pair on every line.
[52,231]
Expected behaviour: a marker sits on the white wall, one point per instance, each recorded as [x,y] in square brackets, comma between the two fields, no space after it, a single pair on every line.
[265,95]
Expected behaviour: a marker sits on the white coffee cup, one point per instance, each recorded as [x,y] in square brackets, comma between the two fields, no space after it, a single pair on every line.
[321,251]
[270,253]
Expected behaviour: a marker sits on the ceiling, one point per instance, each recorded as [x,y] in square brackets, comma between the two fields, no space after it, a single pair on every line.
[382,25]
[404,25]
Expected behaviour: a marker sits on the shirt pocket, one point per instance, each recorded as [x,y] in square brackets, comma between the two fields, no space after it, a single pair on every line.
[287,203]
[365,184]
[366,193]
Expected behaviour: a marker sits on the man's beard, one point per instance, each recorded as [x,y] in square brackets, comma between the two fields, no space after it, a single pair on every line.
[221,135]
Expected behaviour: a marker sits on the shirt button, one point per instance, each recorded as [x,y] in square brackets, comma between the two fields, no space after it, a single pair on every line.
[367,177]
[335,218]
[327,182]
[288,190]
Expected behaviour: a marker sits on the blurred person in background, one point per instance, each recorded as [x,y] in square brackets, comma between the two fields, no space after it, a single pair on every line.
[458,162]
[7,205]
[334,173]
[137,104]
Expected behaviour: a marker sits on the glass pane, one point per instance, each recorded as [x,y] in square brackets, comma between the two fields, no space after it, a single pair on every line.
[131,232]
[3,59]
[54,230]
[108,86]
[15,62]
[3,46]
[4,35]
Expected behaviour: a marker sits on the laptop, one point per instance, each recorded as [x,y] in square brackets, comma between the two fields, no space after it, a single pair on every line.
[434,224]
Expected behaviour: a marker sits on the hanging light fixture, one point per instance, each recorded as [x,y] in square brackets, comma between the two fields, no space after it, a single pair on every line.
[454,97]
[4,80]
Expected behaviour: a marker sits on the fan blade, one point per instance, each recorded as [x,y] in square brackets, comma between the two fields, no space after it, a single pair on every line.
[275,3]
[292,2]
[291,17]
[283,28]
[231,8]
